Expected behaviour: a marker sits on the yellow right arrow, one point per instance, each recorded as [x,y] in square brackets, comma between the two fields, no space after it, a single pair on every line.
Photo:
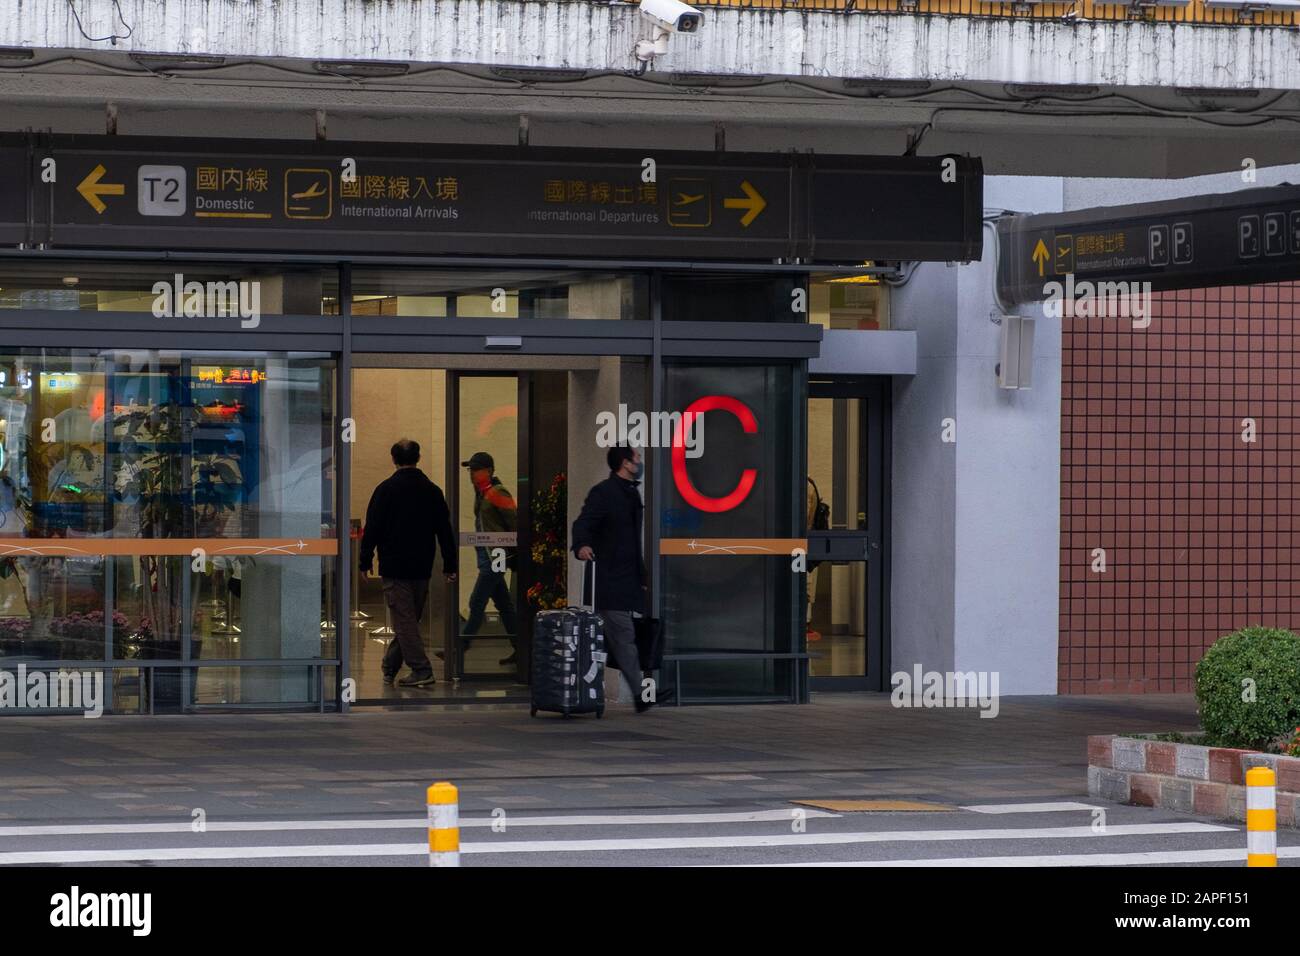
[91,188]
[751,201]
[1041,255]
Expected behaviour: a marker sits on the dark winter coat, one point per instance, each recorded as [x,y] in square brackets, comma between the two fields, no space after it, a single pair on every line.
[610,524]
[406,516]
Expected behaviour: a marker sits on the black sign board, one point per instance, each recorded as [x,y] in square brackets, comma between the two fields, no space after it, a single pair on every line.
[13,195]
[1222,239]
[131,193]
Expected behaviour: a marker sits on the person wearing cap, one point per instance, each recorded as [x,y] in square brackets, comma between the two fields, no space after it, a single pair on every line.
[494,511]
[407,514]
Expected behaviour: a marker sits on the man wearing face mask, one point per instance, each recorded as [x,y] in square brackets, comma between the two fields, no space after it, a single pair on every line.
[609,531]
[494,510]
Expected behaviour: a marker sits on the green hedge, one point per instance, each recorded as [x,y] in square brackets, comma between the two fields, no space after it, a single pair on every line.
[1270,657]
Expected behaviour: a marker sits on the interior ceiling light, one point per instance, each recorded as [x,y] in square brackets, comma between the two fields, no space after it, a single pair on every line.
[716,79]
[527,74]
[900,86]
[362,67]
[1205,91]
[1053,89]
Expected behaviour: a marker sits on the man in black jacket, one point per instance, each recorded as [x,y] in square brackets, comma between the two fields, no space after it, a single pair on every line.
[407,513]
[609,531]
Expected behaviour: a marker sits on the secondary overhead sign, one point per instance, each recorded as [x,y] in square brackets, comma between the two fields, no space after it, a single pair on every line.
[1221,239]
[118,192]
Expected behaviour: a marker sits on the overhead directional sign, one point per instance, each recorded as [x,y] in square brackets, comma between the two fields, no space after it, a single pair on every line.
[1220,239]
[136,193]
[93,187]
[13,201]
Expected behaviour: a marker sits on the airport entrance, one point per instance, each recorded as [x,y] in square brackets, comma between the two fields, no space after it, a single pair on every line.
[511,443]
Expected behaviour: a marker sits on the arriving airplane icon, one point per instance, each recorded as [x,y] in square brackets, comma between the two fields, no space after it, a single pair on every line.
[308,194]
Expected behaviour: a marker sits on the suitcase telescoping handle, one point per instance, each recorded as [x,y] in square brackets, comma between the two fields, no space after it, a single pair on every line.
[589,605]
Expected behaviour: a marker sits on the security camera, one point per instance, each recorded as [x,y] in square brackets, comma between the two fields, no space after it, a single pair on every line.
[672,15]
[669,17]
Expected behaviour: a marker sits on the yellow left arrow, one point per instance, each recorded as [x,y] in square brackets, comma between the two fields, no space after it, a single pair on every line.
[752,202]
[91,188]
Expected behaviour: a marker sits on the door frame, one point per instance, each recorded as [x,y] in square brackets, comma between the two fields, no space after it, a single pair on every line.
[876,393]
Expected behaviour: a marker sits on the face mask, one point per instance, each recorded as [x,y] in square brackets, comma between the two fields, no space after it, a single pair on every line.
[637,468]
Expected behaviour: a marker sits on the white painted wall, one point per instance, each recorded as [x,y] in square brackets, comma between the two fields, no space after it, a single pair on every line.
[976,524]
[598,36]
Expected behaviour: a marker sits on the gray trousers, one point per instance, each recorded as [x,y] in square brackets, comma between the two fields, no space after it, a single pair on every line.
[405,598]
[620,644]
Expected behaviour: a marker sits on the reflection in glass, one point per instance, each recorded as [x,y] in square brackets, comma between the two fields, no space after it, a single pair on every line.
[489,443]
[210,456]
[739,604]
[514,294]
[70,284]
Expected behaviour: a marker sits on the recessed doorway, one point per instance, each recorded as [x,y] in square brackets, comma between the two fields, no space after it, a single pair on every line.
[527,425]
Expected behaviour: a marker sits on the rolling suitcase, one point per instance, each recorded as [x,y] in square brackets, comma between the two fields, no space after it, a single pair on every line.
[568,667]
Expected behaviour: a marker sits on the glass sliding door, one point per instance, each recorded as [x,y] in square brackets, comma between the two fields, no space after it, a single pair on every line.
[728,532]
[161,508]
[491,491]
[845,610]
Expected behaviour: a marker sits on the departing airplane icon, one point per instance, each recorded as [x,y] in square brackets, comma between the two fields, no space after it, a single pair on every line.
[317,189]
[690,202]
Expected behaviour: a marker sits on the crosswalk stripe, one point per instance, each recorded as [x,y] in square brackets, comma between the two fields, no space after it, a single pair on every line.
[161,854]
[1139,858]
[409,823]
[830,839]
[1053,807]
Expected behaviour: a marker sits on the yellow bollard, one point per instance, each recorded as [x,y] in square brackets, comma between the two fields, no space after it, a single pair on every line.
[1261,817]
[444,824]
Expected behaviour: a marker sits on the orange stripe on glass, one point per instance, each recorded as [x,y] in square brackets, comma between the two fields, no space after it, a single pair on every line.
[732,546]
[139,547]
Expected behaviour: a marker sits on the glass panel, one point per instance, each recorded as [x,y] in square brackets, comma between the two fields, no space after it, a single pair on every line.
[191,496]
[739,603]
[526,294]
[837,464]
[169,288]
[856,302]
[836,615]
[736,679]
[488,584]
[730,297]
[217,686]
[420,416]
[51,486]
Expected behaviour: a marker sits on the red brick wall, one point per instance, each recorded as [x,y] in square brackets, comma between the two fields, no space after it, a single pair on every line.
[1197,524]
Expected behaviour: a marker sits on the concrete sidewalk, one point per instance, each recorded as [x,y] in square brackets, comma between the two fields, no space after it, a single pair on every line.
[67,769]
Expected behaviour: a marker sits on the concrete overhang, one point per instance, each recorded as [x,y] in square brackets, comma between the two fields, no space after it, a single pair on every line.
[1082,98]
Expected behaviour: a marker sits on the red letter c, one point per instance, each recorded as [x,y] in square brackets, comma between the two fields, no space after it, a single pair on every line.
[712,403]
